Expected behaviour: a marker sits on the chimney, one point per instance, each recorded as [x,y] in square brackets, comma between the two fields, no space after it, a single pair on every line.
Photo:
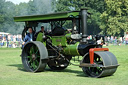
[84,24]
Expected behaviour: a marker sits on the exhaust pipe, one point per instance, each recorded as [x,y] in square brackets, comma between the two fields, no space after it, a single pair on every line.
[84,25]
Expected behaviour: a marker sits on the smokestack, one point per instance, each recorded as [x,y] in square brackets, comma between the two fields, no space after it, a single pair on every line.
[84,24]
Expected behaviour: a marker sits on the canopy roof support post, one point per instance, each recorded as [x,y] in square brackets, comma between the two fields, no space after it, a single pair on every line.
[73,25]
[51,23]
[79,27]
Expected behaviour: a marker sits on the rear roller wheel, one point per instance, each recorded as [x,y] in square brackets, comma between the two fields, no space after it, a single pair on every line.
[105,59]
[31,56]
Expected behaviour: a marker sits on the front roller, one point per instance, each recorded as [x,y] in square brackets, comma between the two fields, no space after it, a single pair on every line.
[34,55]
[105,64]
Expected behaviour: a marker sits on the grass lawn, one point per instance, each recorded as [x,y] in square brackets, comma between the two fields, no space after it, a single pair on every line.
[12,72]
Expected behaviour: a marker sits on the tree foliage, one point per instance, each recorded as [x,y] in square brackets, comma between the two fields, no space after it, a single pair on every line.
[8,10]
[115,18]
[109,17]
[96,7]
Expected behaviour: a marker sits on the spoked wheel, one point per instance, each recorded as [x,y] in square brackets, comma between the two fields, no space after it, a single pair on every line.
[103,59]
[32,55]
[59,64]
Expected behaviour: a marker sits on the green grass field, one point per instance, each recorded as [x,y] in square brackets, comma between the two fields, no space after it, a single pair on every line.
[13,73]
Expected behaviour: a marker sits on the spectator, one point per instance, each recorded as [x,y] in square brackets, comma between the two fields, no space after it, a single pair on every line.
[115,41]
[7,40]
[2,43]
[111,39]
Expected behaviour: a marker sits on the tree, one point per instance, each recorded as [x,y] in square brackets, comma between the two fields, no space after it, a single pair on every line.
[21,9]
[43,6]
[2,2]
[9,8]
[115,18]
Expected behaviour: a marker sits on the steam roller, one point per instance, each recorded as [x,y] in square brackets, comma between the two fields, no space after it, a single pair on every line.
[56,47]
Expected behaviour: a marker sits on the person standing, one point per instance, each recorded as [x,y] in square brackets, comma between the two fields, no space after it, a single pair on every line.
[7,40]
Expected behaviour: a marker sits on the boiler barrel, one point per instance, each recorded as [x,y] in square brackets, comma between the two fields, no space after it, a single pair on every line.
[77,49]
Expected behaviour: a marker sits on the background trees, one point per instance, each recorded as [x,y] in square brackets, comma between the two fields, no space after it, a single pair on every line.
[96,7]
[8,10]
[109,17]
[2,12]
[115,18]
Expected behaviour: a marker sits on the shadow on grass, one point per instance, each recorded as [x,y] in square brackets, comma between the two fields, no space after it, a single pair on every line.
[79,73]
[19,66]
